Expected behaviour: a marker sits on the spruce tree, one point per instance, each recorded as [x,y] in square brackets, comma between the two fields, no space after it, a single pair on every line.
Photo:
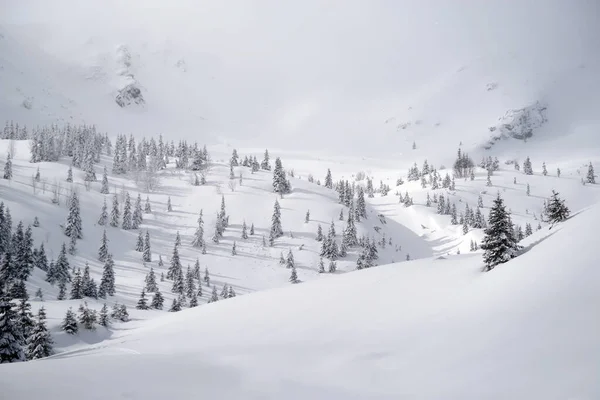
[328,180]
[103,250]
[150,281]
[142,303]
[319,236]
[62,291]
[289,262]
[103,219]
[147,254]
[544,169]
[332,266]
[198,240]
[499,243]
[294,276]
[178,283]
[244,231]
[591,176]
[127,217]
[280,183]
[556,210]
[87,317]
[11,337]
[61,271]
[39,342]
[73,227]
[252,229]
[175,306]
[234,249]
[276,229]
[107,283]
[214,296]
[115,214]
[190,285]
[157,301]
[69,324]
[147,206]
[8,174]
[177,239]
[104,188]
[206,277]
[103,318]
[169,206]
[175,265]
[139,244]
[25,319]
[77,286]
[137,218]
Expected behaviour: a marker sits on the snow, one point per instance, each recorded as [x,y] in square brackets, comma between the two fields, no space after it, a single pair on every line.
[424,329]
[350,96]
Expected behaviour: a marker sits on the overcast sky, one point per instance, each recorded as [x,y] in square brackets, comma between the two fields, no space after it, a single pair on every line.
[286,69]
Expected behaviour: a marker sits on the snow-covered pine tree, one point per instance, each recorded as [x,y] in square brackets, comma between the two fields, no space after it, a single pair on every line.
[8,173]
[361,206]
[115,214]
[198,240]
[157,301]
[147,253]
[276,229]
[544,169]
[280,182]
[252,229]
[147,206]
[70,174]
[453,215]
[528,230]
[328,180]
[332,266]
[107,283]
[265,163]
[480,202]
[62,291]
[234,249]
[142,303]
[73,227]
[294,276]
[104,188]
[103,219]
[139,244]
[175,306]
[591,176]
[87,317]
[289,262]
[499,243]
[175,265]
[103,318]
[61,270]
[527,168]
[214,295]
[103,250]
[77,286]
[169,206]
[39,342]
[319,236]
[138,217]
[556,210]
[127,217]
[11,337]
[150,281]
[69,324]
[89,284]
[177,239]
[489,177]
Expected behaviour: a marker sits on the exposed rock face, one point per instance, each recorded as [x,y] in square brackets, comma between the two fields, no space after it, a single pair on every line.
[130,94]
[518,124]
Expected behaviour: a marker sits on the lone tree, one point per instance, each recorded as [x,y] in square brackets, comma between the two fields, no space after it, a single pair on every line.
[591,177]
[556,210]
[73,226]
[499,243]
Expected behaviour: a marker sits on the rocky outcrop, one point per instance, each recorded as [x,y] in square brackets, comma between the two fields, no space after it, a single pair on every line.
[518,124]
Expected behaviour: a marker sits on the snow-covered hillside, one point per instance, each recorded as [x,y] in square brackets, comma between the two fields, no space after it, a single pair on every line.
[428,329]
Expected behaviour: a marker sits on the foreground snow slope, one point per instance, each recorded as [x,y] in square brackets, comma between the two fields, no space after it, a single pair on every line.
[425,329]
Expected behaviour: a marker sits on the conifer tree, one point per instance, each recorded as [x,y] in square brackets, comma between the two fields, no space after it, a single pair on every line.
[244,230]
[289,262]
[198,241]
[332,266]
[127,217]
[276,229]
[11,338]
[175,265]
[175,306]
[177,239]
[328,180]
[280,182]
[60,272]
[319,236]
[39,342]
[294,276]
[265,163]
[544,169]
[169,206]
[150,280]
[137,217]
[73,227]
[234,249]
[178,283]
[157,301]
[558,172]
[591,176]
[62,291]
[527,168]
[104,188]
[190,285]
[528,230]
[453,216]
[194,300]
[139,244]
[87,317]
[107,283]
[556,210]
[25,321]
[147,253]
[499,243]
[89,288]
[224,291]
[39,295]
[206,277]
[8,174]
[103,318]
[142,303]
[69,324]
[214,296]
[103,219]
[103,250]
[147,206]
[77,286]
[115,214]
[70,174]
